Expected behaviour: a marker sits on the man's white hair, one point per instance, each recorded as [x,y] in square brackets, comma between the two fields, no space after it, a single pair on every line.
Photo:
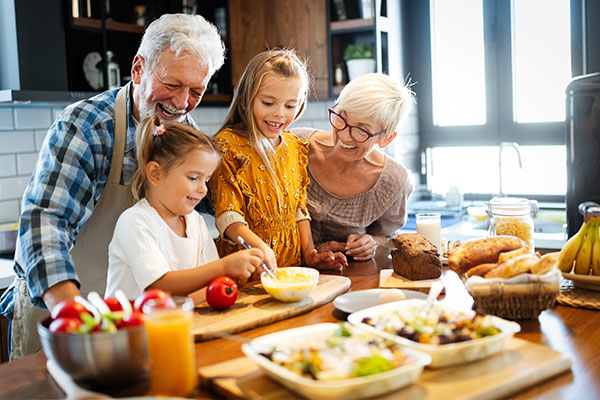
[183,34]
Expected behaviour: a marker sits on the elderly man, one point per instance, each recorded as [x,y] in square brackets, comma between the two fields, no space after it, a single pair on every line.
[81,181]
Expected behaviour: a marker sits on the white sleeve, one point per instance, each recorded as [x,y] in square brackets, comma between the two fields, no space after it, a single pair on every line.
[140,240]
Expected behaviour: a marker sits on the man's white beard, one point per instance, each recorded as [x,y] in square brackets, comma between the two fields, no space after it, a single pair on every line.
[147,110]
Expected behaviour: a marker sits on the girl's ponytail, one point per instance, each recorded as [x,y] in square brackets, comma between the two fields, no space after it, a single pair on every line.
[144,150]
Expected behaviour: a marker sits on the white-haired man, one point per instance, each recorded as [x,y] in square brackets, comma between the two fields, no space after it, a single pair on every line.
[81,182]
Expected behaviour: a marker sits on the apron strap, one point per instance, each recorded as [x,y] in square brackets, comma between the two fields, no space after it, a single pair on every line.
[116,163]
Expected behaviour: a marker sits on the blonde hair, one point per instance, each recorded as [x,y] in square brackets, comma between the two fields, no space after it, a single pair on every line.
[379,97]
[279,62]
[167,144]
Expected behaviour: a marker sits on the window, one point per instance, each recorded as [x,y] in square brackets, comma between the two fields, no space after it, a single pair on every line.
[486,72]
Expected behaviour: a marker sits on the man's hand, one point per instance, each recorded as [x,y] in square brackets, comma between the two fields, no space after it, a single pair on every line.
[66,290]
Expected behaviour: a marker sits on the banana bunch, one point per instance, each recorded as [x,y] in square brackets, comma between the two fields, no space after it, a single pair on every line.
[581,253]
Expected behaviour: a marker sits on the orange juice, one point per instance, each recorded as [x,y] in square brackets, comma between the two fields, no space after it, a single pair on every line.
[171,350]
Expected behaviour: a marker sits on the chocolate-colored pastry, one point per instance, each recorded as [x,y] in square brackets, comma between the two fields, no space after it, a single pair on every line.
[415,257]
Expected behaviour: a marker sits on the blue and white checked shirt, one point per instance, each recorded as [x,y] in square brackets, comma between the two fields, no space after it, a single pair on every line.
[70,175]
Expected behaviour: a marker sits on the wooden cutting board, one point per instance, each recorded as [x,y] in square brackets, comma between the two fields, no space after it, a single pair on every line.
[521,365]
[254,308]
[389,279]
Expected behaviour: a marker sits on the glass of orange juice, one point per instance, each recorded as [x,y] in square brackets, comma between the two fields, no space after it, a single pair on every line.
[171,346]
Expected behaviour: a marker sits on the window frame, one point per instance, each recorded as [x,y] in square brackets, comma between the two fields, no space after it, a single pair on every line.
[499,126]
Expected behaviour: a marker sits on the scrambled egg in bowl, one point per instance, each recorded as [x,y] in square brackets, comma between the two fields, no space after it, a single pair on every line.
[292,283]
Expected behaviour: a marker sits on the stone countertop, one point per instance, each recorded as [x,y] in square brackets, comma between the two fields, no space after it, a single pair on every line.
[548,234]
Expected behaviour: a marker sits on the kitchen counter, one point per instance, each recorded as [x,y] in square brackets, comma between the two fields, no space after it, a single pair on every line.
[6,272]
[547,234]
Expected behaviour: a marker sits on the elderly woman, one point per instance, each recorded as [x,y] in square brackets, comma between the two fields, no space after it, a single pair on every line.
[357,195]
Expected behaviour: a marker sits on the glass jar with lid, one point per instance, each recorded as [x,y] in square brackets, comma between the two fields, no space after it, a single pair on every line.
[512,216]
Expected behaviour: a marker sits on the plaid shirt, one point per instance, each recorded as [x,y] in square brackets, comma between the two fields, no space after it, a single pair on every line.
[70,175]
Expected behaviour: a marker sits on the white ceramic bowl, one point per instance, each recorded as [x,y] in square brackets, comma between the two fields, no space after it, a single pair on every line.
[292,283]
[353,388]
[443,355]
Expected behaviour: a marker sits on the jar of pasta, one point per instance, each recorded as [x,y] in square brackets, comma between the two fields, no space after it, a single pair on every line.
[512,216]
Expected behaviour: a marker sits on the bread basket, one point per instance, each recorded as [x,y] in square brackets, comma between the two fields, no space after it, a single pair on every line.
[523,296]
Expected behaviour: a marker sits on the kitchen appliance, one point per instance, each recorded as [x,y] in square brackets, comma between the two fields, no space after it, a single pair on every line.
[583,146]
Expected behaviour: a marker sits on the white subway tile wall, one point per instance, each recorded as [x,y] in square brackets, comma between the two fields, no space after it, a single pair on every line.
[24,127]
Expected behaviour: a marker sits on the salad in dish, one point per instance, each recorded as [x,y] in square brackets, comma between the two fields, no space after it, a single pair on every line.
[346,353]
[435,326]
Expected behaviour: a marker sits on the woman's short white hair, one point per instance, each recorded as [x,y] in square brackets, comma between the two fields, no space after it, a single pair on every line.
[379,97]
[183,34]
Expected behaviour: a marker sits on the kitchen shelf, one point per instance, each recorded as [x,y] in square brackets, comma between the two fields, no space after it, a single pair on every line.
[96,23]
[351,24]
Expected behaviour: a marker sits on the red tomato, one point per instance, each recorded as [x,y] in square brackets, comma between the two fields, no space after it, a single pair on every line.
[152,294]
[221,293]
[68,325]
[68,309]
[113,304]
[134,319]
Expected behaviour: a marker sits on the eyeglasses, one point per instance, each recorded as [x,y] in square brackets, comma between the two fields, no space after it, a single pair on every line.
[357,134]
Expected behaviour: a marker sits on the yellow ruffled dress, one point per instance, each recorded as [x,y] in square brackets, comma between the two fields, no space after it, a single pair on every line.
[242,189]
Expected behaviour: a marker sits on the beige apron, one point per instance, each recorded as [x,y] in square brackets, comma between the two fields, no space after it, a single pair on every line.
[90,253]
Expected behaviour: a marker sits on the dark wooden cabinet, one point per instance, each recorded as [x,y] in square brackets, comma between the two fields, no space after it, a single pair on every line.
[260,24]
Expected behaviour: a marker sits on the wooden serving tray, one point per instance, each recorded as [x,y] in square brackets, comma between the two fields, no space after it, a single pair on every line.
[254,308]
[521,365]
[389,279]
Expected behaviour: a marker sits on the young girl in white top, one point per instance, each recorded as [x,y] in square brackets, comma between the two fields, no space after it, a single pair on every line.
[162,242]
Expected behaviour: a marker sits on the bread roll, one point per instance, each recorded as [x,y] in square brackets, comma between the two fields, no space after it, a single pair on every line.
[481,269]
[514,266]
[503,257]
[547,263]
[415,257]
[482,251]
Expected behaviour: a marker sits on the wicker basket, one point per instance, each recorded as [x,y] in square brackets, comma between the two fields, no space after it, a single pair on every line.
[515,306]
[516,299]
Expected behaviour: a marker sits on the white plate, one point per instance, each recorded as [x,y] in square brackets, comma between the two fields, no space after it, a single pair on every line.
[446,354]
[361,299]
[584,281]
[352,388]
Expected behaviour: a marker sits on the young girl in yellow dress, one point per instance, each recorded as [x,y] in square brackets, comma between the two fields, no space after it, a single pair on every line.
[259,190]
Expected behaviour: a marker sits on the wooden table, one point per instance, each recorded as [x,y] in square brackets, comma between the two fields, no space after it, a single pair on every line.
[572,331]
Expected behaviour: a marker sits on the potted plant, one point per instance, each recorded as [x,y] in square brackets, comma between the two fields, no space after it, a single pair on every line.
[360,59]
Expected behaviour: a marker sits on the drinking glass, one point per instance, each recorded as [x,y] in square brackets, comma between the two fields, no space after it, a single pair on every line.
[171,346]
[430,226]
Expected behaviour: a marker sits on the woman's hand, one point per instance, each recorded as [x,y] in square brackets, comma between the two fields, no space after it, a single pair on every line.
[331,246]
[327,260]
[361,247]
[243,263]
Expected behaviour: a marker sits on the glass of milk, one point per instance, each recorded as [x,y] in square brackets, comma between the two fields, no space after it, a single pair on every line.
[429,225]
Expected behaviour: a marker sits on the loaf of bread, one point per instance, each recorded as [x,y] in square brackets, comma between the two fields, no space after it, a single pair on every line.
[514,266]
[482,251]
[415,257]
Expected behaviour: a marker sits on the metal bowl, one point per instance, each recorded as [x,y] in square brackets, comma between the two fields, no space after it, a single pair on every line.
[99,358]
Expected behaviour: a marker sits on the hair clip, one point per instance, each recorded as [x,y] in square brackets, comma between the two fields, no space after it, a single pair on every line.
[158,130]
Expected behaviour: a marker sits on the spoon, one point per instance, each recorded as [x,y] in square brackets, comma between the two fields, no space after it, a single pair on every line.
[434,292]
[262,264]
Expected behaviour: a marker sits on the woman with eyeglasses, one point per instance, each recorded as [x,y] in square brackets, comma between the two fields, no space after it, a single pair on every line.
[357,195]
